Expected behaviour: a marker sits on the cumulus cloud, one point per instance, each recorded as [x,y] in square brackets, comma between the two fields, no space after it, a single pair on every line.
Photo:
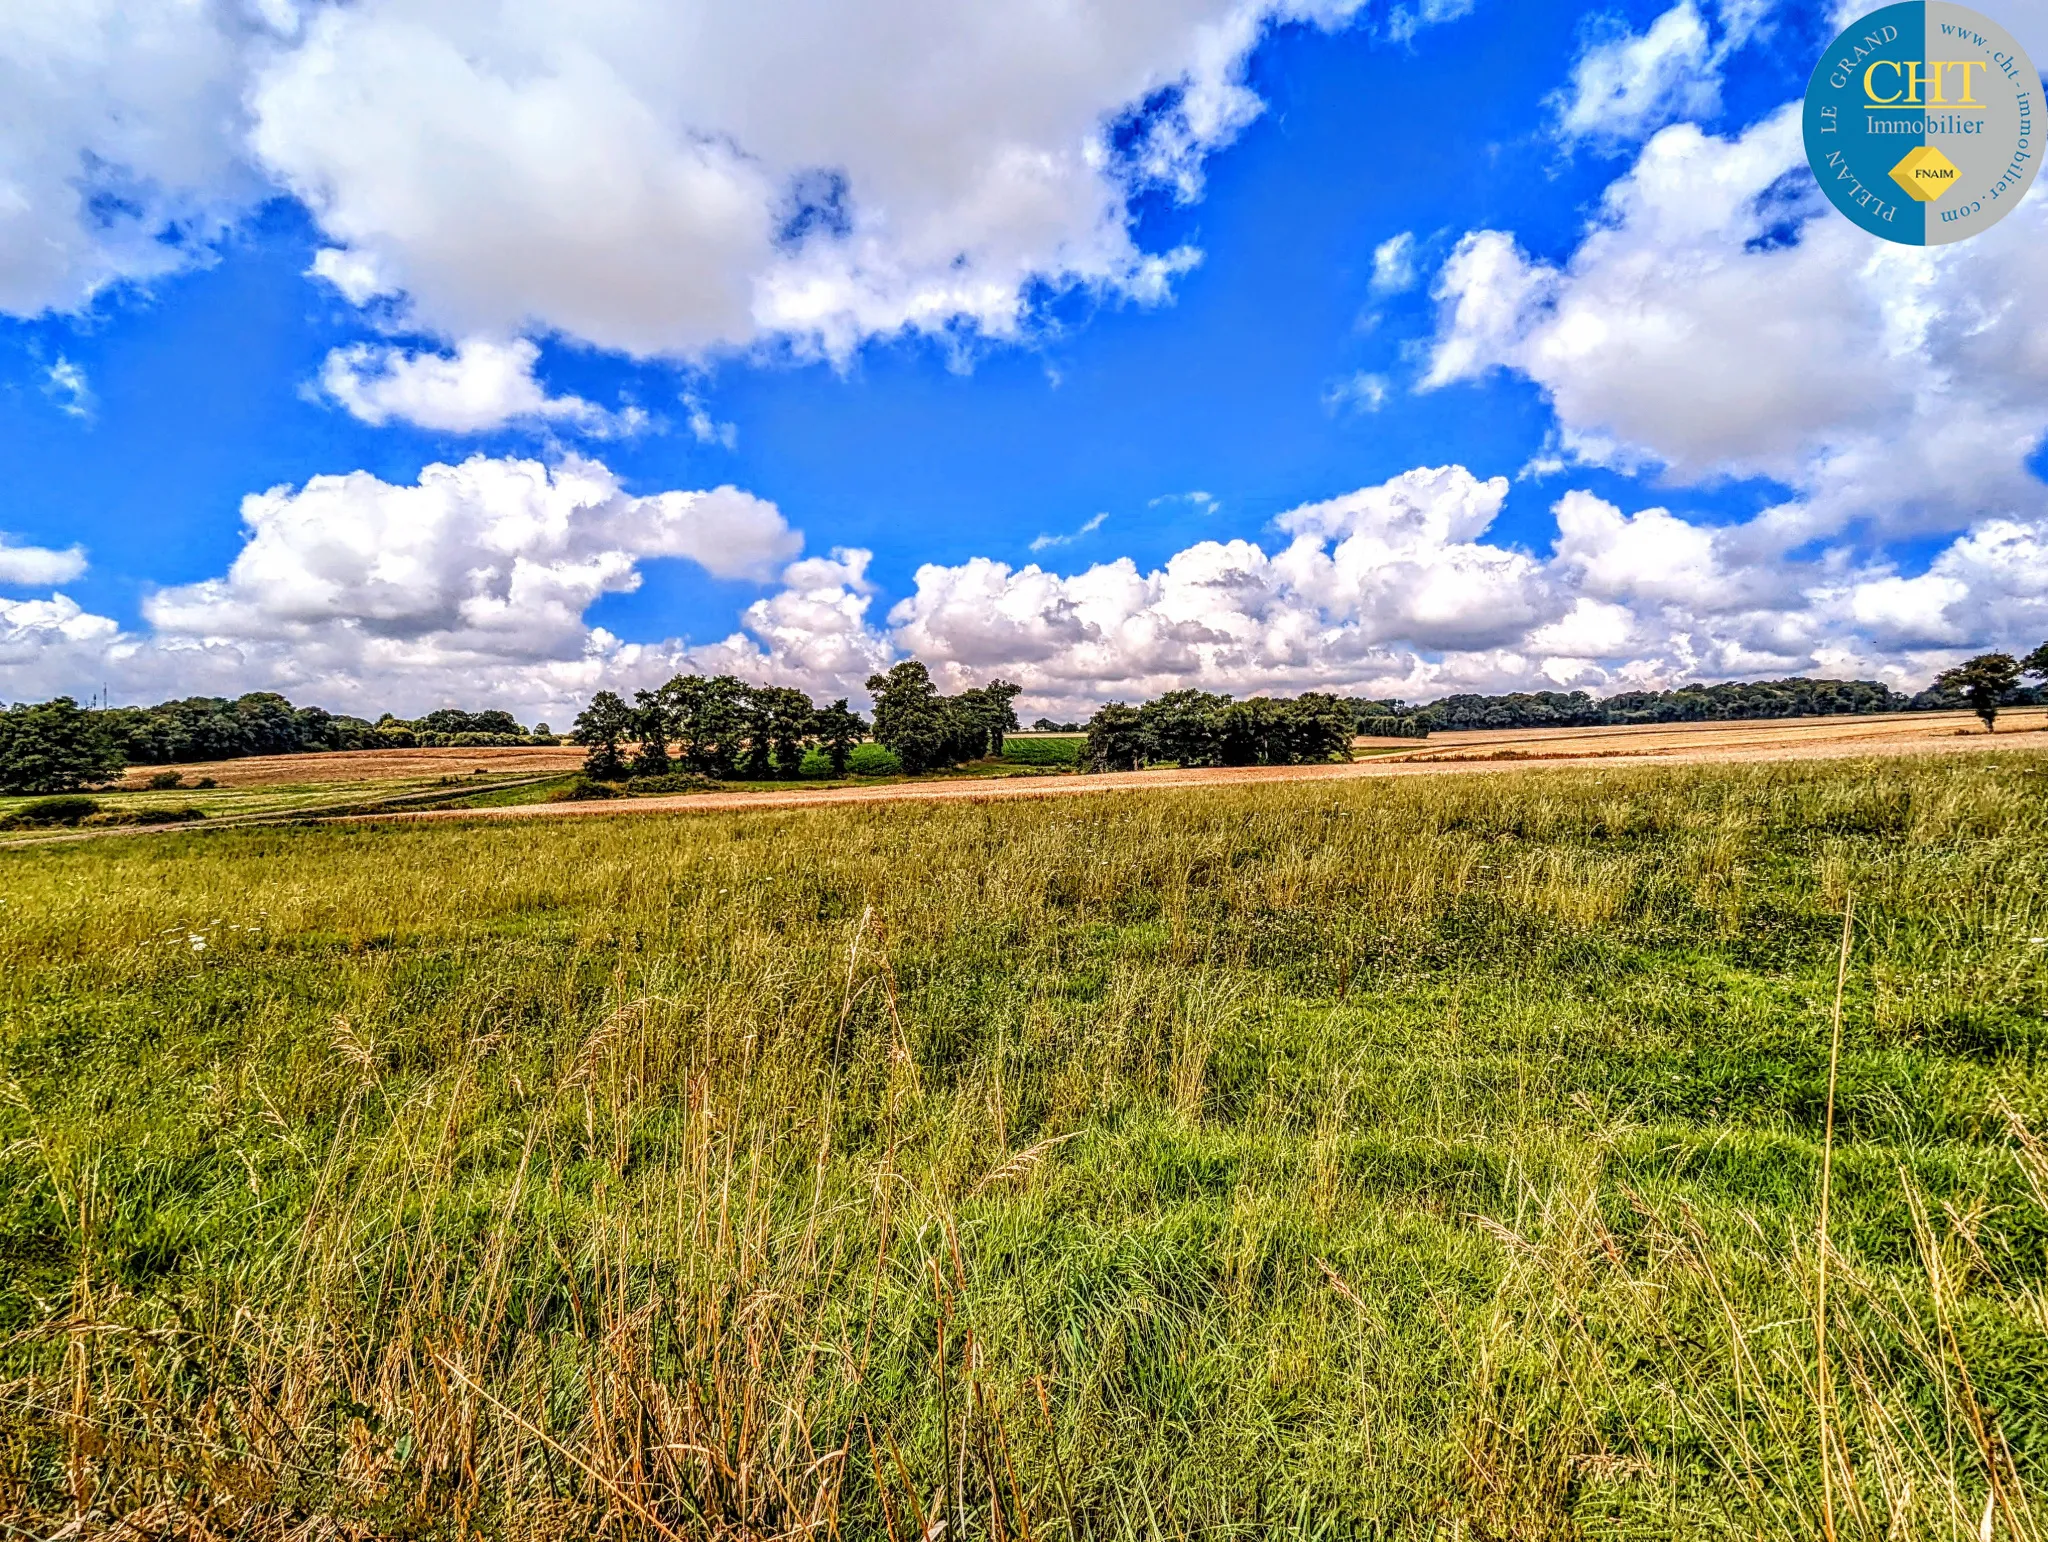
[1717,321]
[34,566]
[1397,590]
[483,385]
[648,177]
[471,583]
[496,557]
[475,585]
[118,142]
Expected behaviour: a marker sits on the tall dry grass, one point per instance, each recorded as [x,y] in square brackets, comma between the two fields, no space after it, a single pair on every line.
[1419,1159]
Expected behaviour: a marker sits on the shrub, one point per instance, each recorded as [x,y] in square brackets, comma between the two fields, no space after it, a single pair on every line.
[165,816]
[873,760]
[1044,752]
[164,780]
[477,741]
[816,766]
[206,781]
[673,781]
[583,790]
[55,811]
[141,816]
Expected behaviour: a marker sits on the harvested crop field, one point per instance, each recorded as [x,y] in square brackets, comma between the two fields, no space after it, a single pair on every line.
[368,766]
[1443,754]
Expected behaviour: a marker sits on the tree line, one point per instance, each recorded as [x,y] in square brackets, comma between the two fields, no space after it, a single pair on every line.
[1731,702]
[721,727]
[59,746]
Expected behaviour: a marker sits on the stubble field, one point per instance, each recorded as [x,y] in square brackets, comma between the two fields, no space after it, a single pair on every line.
[1412,1157]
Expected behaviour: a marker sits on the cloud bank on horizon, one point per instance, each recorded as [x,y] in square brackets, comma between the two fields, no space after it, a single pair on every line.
[487,189]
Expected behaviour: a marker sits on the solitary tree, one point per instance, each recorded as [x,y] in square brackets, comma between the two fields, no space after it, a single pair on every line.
[1984,682]
[599,728]
[838,729]
[2036,663]
[709,719]
[55,746]
[909,718]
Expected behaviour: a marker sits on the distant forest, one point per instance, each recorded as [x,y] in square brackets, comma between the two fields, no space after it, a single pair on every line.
[1688,704]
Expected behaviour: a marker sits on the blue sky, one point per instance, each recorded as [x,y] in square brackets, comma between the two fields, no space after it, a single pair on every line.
[1522,321]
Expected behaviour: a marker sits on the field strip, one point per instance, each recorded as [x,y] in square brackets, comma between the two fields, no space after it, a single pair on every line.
[1675,744]
[1407,764]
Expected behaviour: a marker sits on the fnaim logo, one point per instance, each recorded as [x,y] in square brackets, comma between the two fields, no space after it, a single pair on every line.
[1923,123]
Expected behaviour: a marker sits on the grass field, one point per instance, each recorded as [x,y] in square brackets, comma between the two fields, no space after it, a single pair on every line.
[1424,1158]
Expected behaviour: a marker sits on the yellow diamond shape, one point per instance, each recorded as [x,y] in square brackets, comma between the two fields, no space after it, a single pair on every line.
[1925,173]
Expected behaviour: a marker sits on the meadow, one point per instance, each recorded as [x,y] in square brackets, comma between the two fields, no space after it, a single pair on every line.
[1427,1158]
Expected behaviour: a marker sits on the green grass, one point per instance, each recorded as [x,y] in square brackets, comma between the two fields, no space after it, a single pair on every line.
[1065,753]
[1421,1159]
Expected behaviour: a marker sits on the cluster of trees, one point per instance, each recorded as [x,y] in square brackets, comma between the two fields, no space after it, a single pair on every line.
[721,727]
[927,730]
[1196,728]
[58,746]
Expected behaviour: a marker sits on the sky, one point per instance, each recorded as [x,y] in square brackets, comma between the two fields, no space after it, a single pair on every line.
[398,354]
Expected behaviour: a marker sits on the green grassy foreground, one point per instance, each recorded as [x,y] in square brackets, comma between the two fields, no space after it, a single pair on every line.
[1434,1158]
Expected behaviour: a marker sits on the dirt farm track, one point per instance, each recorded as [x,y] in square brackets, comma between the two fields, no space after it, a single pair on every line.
[1445,754]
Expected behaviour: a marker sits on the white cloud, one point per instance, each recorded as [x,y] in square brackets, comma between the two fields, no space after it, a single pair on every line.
[1396,590]
[1404,21]
[496,556]
[65,384]
[34,566]
[483,385]
[1718,321]
[1088,527]
[704,428]
[813,632]
[355,274]
[1362,392]
[1393,264]
[474,586]
[650,177]
[471,584]
[1625,85]
[118,127]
